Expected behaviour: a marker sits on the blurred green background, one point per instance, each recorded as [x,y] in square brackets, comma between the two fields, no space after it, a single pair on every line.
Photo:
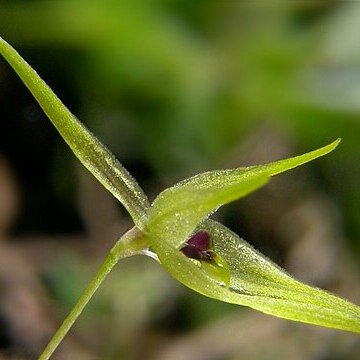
[175,88]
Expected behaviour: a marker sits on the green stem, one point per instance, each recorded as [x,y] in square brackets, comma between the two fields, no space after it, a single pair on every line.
[130,244]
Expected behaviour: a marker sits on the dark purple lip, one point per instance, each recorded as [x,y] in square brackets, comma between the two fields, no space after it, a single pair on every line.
[198,247]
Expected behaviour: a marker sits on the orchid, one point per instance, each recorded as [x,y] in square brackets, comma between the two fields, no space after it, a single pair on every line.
[176,229]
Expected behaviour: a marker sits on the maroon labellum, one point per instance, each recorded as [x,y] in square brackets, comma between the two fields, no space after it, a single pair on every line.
[198,247]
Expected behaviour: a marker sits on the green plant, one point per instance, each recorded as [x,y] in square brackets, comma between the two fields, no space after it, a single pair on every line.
[176,229]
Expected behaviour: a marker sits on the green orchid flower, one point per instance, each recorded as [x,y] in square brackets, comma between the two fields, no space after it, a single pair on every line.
[176,230]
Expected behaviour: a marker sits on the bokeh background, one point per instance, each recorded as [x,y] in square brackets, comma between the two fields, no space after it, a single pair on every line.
[175,88]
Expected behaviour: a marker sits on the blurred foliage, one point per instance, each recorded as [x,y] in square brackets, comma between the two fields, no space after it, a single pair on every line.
[178,87]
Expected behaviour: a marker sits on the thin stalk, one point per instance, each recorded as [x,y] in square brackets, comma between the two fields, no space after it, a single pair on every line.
[131,243]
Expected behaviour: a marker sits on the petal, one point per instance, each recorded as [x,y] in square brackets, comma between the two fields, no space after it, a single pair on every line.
[257,282]
[89,150]
[277,167]
[178,210]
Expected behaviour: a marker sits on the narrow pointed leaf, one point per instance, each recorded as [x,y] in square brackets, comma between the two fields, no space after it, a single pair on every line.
[257,282]
[90,151]
[179,209]
[277,167]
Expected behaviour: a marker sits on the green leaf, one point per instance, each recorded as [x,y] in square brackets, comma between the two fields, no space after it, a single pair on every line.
[257,282]
[277,167]
[179,209]
[90,151]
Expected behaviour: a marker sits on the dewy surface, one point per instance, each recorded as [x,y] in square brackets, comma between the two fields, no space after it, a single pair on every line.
[261,284]
[180,208]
